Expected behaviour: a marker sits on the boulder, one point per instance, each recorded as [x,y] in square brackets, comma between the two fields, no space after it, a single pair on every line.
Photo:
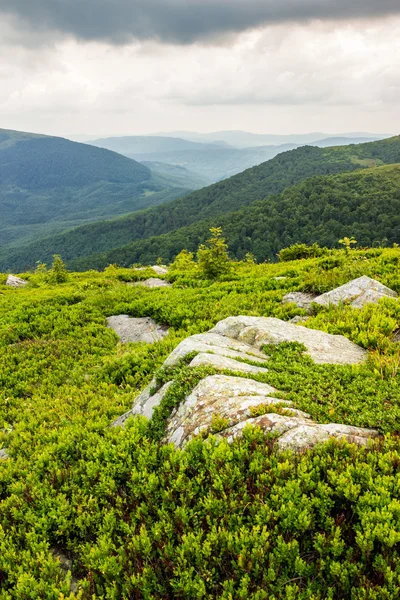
[153,282]
[357,293]
[300,299]
[14,281]
[141,329]
[3,454]
[323,348]
[232,398]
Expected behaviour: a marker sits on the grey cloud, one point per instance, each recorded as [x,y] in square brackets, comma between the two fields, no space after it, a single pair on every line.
[177,21]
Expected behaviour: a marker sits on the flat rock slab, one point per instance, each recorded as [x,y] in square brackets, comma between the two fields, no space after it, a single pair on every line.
[300,299]
[160,269]
[225,364]
[141,329]
[323,348]
[14,281]
[358,293]
[153,282]
[3,454]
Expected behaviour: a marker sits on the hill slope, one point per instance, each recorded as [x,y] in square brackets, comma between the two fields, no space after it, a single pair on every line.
[210,203]
[321,209]
[48,184]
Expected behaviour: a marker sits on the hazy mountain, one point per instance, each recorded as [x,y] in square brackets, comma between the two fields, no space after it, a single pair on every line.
[48,184]
[245,139]
[142,234]
[212,160]
[138,145]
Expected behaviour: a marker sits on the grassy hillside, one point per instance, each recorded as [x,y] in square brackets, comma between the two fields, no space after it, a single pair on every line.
[132,518]
[202,208]
[49,183]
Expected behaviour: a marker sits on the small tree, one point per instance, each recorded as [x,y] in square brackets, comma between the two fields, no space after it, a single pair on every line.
[58,272]
[212,257]
[183,261]
[348,243]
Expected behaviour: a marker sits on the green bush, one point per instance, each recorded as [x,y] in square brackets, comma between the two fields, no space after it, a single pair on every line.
[138,519]
[300,251]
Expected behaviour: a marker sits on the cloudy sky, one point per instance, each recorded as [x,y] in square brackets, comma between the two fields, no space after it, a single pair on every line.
[120,67]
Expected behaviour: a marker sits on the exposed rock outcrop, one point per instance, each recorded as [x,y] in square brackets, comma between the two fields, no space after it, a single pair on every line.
[153,282]
[234,399]
[14,281]
[3,454]
[358,293]
[142,329]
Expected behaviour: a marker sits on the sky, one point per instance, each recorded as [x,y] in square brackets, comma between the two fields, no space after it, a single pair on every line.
[131,67]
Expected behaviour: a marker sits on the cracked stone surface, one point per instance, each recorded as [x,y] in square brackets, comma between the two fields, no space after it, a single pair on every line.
[14,281]
[142,329]
[358,293]
[323,348]
[153,282]
[231,398]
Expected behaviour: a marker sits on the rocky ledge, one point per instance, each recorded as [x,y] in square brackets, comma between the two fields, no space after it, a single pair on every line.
[235,345]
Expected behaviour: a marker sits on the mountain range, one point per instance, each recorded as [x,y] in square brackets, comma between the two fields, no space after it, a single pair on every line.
[211,159]
[261,209]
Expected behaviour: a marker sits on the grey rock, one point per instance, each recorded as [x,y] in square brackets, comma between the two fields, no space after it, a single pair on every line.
[153,282]
[217,344]
[141,329]
[232,398]
[298,319]
[358,293]
[279,278]
[323,348]
[145,403]
[160,269]
[228,397]
[65,566]
[14,281]
[3,454]
[300,299]
[224,363]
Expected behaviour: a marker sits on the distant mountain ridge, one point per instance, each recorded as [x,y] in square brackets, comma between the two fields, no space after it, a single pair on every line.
[143,233]
[246,139]
[212,160]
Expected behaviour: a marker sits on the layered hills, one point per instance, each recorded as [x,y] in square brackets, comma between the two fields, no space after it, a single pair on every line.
[48,184]
[141,236]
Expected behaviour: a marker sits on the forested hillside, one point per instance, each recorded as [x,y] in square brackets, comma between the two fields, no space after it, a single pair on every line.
[204,207]
[48,184]
[322,209]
